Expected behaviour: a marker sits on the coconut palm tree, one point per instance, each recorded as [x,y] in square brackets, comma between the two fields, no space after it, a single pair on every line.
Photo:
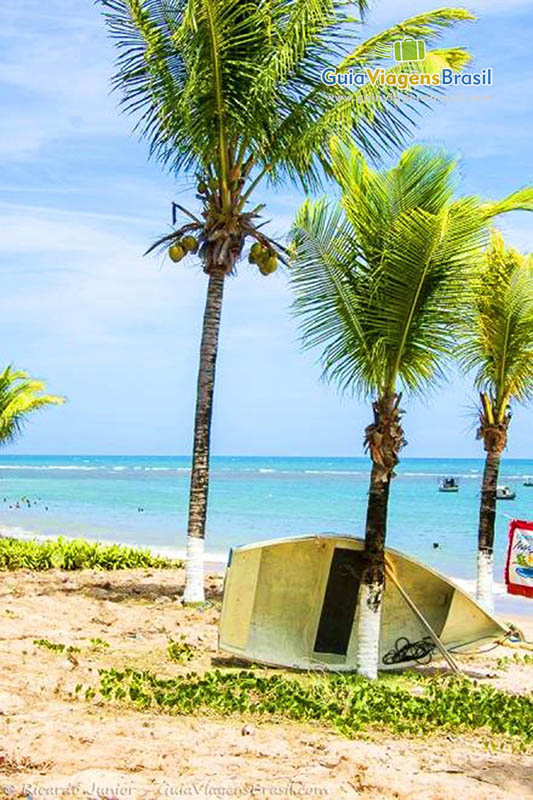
[230,93]
[20,396]
[497,345]
[379,279]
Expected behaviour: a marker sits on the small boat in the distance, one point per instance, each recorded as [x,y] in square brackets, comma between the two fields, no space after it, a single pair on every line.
[505,493]
[528,481]
[449,484]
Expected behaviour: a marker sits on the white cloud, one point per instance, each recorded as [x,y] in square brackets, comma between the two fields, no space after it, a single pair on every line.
[84,273]
[58,76]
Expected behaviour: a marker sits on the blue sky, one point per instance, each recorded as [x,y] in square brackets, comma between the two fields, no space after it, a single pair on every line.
[118,333]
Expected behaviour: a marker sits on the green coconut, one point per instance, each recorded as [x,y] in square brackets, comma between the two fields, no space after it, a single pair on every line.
[269,264]
[255,252]
[264,255]
[190,244]
[176,252]
[272,263]
[202,187]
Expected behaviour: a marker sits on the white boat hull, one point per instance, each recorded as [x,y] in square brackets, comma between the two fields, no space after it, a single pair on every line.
[292,603]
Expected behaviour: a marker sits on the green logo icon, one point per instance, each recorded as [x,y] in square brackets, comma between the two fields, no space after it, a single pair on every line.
[409,50]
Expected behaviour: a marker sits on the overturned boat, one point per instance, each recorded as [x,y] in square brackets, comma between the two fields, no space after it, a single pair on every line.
[293,603]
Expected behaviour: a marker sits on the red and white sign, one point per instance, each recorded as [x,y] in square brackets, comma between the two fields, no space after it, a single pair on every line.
[519,566]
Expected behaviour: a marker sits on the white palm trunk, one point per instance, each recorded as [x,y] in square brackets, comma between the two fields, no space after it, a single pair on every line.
[194,571]
[194,574]
[368,629]
[485,577]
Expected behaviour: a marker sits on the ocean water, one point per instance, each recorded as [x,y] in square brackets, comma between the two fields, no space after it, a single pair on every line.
[251,499]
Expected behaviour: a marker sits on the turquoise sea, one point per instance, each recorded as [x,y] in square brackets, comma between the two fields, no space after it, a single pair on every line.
[251,499]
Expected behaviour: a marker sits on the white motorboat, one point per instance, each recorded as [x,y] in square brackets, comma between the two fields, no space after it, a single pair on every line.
[449,484]
[505,493]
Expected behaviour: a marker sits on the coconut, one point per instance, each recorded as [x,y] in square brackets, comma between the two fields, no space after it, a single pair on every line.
[202,187]
[176,252]
[255,250]
[272,263]
[190,244]
[264,255]
[269,264]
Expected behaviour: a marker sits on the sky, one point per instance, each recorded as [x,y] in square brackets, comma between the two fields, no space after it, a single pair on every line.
[118,333]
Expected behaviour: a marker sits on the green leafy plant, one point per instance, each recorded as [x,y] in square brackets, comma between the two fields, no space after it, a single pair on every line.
[506,661]
[98,644]
[180,650]
[95,645]
[348,703]
[76,554]
[56,647]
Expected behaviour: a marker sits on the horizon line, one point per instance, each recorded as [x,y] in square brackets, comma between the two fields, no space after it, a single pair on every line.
[188,456]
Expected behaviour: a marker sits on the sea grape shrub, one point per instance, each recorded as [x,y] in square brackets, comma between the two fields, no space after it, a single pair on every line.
[76,554]
[180,650]
[348,703]
[56,647]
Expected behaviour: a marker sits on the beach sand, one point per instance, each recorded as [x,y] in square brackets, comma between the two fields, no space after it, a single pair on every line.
[54,745]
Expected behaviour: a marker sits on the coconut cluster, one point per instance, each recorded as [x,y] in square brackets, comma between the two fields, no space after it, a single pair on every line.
[264,257]
[180,248]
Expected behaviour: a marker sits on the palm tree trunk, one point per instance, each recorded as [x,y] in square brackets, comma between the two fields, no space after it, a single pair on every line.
[384,439]
[487,519]
[370,599]
[199,487]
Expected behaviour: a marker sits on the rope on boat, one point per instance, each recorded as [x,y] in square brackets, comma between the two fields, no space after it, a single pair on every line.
[391,572]
[513,638]
[518,645]
[404,650]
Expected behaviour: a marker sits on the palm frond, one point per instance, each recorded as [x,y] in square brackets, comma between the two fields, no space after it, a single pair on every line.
[377,117]
[497,336]
[426,27]
[522,200]
[383,298]
[322,246]
[20,396]
[212,82]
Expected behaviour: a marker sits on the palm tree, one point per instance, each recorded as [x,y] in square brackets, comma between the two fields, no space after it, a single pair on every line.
[497,345]
[229,92]
[20,396]
[379,279]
